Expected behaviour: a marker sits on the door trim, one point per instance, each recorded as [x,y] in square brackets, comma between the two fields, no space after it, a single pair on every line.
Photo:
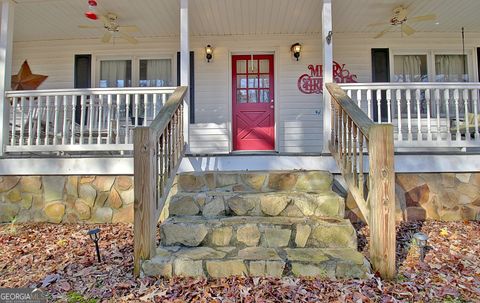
[271,141]
[275,51]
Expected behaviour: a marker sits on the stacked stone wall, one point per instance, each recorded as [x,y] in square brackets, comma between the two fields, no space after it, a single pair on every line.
[66,199]
[433,196]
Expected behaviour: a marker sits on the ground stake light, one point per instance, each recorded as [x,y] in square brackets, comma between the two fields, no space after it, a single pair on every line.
[94,235]
[420,239]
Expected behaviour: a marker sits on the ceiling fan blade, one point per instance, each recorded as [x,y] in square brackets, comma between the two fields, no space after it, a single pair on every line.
[423,18]
[378,24]
[129,28]
[380,35]
[407,29]
[88,26]
[128,38]
[106,37]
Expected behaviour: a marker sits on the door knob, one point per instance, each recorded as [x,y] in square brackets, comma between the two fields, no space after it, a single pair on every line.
[271,106]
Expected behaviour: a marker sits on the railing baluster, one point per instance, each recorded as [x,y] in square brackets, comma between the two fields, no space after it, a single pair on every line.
[30,118]
[65,115]
[429,123]
[14,120]
[389,104]
[361,180]
[379,106]
[55,122]
[475,111]
[117,119]
[47,122]
[155,100]
[456,97]
[355,153]
[369,103]
[136,105]
[467,122]
[438,108]
[446,95]
[419,115]
[82,118]
[91,118]
[399,114]
[359,98]
[72,135]
[39,120]
[109,119]
[409,114]
[145,111]
[127,118]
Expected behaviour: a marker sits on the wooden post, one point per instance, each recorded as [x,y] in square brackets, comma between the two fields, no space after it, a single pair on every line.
[185,64]
[382,200]
[6,44]
[327,70]
[145,219]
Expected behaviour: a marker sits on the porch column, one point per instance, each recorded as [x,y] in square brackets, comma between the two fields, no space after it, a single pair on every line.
[327,70]
[6,45]
[185,65]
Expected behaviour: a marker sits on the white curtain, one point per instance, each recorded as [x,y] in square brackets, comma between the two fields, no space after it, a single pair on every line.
[115,73]
[451,68]
[408,68]
[158,72]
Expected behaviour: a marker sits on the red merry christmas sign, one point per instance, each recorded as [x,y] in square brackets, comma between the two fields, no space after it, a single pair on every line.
[313,83]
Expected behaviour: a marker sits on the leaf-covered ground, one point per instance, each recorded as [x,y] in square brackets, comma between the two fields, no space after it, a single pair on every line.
[61,259]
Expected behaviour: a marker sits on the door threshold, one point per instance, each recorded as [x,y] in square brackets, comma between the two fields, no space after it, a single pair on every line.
[254,152]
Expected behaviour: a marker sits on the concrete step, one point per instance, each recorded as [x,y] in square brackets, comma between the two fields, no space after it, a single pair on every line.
[287,204]
[258,181]
[256,261]
[245,231]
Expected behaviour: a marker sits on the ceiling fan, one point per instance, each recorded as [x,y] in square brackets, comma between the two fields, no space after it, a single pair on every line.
[111,26]
[400,18]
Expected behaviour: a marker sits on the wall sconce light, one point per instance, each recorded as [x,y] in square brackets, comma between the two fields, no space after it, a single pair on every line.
[296,49]
[209,52]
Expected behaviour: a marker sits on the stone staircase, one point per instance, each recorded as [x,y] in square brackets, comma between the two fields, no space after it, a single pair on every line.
[257,224]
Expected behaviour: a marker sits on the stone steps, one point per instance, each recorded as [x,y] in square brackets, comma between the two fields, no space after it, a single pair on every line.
[221,224]
[256,261]
[243,231]
[288,204]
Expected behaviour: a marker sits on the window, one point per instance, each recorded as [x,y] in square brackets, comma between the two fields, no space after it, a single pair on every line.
[451,68]
[410,68]
[155,72]
[115,73]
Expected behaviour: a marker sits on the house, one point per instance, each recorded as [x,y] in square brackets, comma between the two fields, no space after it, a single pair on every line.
[233,96]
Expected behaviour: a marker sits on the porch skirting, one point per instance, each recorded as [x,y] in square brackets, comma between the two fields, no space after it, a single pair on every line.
[109,199]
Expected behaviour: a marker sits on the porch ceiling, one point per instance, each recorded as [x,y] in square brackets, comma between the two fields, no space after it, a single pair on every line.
[59,19]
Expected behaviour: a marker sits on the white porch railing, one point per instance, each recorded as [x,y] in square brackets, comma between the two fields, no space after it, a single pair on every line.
[80,119]
[423,114]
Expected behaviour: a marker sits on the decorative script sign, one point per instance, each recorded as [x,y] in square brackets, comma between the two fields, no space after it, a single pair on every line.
[313,83]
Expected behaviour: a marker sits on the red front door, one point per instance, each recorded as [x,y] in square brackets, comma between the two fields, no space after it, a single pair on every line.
[253,102]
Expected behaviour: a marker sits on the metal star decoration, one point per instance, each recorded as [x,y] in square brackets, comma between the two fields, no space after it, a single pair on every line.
[25,80]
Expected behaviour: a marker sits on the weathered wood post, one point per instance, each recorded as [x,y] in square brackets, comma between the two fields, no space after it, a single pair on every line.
[145,219]
[382,200]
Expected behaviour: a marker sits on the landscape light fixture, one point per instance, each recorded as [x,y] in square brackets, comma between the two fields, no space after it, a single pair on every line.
[94,235]
[420,240]
[209,52]
[296,50]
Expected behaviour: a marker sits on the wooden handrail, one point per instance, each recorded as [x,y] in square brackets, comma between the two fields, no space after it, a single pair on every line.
[352,131]
[158,151]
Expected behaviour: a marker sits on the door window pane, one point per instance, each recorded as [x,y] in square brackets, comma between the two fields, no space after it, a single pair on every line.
[252,96]
[155,72]
[253,81]
[241,66]
[451,68]
[264,96]
[264,81]
[241,81]
[253,66]
[264,66]
[242,96]
[115,73]
[410,68]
